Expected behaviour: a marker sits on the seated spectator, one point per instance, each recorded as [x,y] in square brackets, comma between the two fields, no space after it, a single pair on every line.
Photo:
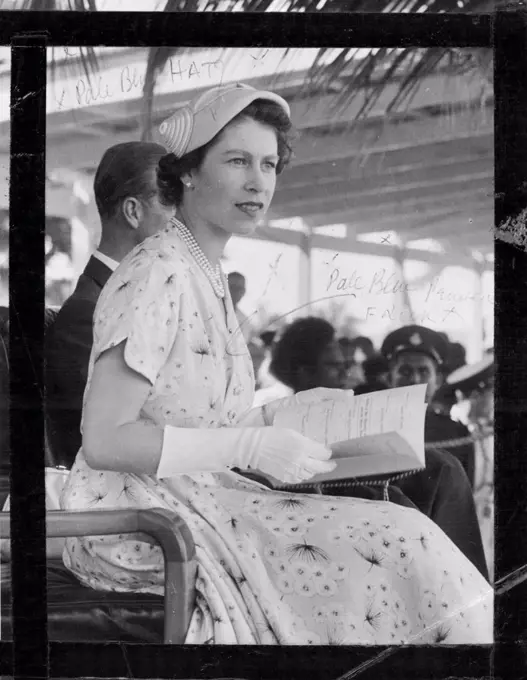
[376,372]
[268,386]
[237,290]
[268,337]
[445,399]
[307,353]
[457,357]
[257,352]
[417,355]
[475,385]
[264,378]
[307,356]
[127,200]
[366,388]
[376,369]
[364,348]
[355,375]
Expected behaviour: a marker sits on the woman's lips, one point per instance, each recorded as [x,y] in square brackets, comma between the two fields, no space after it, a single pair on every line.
[250,207]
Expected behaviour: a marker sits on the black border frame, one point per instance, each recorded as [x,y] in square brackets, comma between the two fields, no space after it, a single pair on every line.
[27,656]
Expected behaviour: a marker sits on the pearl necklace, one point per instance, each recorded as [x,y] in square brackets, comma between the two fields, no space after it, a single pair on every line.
[212,273]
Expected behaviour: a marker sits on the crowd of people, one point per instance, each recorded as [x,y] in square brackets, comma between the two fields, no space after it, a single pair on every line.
[307,353]
[151,402]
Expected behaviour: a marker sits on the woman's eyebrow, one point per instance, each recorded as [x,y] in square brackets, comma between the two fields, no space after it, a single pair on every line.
[247,153]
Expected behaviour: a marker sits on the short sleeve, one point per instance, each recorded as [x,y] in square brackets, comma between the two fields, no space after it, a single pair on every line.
[140,305]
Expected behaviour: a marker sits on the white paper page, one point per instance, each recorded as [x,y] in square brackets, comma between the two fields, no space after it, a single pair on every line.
[397,410]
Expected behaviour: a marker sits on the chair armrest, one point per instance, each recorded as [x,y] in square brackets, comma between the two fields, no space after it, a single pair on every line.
[164,526]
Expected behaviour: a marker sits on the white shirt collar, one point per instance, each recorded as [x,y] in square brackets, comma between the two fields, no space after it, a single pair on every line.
[108,261]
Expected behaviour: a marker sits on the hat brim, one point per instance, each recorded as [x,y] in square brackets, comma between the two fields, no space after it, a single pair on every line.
[194,130]
[430,353]
[468,377]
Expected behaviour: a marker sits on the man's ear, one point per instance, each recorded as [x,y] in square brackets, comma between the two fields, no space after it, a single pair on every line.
[132,211]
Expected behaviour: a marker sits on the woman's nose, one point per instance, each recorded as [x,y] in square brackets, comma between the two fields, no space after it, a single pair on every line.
[255,180]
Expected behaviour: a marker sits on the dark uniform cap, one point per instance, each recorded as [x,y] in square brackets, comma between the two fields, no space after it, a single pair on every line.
[416,339]
[473,376]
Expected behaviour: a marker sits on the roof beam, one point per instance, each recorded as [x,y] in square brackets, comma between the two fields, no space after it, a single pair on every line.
[455,229]
[382,170]
[389,134]
[365,220]
[344,245]
[359,190]
[366,205]
[372,143]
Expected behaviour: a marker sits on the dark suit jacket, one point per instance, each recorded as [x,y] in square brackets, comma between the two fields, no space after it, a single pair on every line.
[4,397]
[440,427]
[67,352]
[443,492]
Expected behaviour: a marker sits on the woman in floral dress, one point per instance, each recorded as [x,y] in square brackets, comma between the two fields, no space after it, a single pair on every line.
[167,413]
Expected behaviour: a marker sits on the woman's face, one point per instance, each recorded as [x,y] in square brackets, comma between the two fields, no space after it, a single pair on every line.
[235,184]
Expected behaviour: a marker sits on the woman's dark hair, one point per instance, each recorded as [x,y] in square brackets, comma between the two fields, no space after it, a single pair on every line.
[171,169]
[300,346]
[125,170]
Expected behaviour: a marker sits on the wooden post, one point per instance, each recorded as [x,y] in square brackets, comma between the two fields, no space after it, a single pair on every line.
[305,287]
[478,316]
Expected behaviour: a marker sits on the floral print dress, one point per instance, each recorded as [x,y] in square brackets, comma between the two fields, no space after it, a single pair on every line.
[273,568]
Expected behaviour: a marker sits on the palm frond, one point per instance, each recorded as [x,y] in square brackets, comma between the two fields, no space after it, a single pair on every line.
[57,5]
[82,5]
[39,5]
[158,57]
[344,73]
[362,76]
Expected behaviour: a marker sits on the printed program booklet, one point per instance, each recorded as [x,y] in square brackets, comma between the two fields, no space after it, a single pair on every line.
[370,434]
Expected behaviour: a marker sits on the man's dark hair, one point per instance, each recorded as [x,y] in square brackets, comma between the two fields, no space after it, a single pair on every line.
[360,342]
[300,346]
[126,170]
[374,366]
[267,337]
[171,168]
[369,387]
[235,275]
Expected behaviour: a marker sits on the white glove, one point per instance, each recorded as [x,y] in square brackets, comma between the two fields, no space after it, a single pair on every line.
[270,410]
[283,454]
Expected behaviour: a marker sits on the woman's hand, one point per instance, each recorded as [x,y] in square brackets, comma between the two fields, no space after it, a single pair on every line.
[288,456]
[281,453]
[317,394]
